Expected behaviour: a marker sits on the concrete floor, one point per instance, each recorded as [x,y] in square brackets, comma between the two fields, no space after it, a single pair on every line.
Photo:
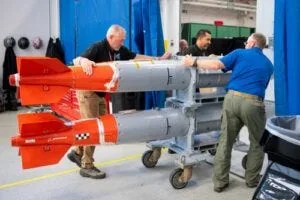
[127,178]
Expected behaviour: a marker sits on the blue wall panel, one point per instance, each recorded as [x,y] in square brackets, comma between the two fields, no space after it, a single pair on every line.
[286,57]
[67,28]
[85,22]
[293,58]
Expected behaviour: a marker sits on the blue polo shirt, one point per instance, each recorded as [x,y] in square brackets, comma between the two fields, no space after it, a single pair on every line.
[251,71]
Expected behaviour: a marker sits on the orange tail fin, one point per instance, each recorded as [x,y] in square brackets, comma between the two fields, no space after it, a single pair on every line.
[33,124]
[37,67]
[36,94]
[42,155]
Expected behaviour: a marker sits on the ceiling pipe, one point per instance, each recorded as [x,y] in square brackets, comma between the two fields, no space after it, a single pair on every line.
[222,4]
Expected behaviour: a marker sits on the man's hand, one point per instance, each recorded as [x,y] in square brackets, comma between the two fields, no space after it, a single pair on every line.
[166,56]
[188,61]
[86,64]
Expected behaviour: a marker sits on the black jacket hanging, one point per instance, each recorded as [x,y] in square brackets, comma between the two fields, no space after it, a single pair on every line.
[9,67]
[55,50]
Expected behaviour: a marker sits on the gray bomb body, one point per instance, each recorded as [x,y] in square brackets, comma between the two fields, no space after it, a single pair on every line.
[145,126]
[162,75]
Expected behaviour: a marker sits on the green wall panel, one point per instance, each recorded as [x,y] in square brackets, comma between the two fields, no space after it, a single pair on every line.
[189,30]
[244,32]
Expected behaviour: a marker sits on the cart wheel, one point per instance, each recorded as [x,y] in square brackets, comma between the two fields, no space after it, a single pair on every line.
[212,152]
[146,159]
[244,162]
[175,179]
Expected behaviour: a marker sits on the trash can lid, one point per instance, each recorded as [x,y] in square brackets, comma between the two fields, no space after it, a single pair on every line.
[285,127]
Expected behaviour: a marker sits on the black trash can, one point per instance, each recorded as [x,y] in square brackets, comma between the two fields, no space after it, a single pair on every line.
[281,142]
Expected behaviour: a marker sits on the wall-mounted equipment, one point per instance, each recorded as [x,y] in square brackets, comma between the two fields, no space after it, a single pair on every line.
[23,43]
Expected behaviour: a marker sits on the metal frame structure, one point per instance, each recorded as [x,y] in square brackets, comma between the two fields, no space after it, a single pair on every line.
[204,114]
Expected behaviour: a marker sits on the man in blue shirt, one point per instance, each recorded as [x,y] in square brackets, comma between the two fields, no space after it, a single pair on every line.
[243,105]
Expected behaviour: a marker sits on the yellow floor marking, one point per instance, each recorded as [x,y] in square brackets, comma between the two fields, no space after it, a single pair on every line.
[102,164]
[46,176]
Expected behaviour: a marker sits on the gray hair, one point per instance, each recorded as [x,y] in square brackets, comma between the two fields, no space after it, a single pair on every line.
[260,40]
[114,30]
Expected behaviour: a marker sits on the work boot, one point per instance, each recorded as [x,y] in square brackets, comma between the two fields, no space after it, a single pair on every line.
[92,172]
[255,183]
[252,185]
[74,157]
[221,189]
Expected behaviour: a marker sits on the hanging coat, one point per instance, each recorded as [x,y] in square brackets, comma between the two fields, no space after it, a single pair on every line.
[9,67]
[55,50]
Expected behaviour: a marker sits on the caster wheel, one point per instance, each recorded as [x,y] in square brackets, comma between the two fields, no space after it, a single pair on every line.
[146,159]
[212,152]
[244,162]
[175,179]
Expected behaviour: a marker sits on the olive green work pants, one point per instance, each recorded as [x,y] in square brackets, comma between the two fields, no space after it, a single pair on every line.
[237,112]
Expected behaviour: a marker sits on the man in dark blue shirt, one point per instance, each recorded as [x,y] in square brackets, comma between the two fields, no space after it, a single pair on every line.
[243,105]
